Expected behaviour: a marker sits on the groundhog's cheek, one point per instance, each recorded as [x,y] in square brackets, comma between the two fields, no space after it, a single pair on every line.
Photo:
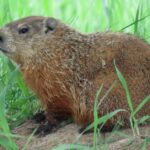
[16,58]
[14,48]
[10,47]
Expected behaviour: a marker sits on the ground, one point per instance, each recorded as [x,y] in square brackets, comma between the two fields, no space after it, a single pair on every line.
[69,134]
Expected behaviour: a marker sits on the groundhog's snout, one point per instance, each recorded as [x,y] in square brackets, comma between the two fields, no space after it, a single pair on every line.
[2,37]
[3,42]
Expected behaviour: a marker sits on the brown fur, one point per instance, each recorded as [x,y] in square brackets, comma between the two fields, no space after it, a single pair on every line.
[65,69]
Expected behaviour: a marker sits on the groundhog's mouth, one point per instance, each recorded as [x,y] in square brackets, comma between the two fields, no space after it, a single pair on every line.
[4,50]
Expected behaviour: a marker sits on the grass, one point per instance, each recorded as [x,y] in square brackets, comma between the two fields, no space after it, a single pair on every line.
[6,140]
[17,102]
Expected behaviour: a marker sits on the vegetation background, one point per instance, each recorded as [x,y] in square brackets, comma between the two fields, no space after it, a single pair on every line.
[17,102]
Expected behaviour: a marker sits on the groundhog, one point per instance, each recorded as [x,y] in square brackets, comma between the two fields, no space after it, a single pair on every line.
[65,68]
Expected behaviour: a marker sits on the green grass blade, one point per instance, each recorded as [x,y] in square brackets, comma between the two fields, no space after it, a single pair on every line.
[29,140]
[106,94]
[143,119]
[133,23]
[103,119]
[143,102]
[71,147]
[124,84]
[136,20]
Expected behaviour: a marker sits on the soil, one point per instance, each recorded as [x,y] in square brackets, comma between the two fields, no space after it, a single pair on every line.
[120,140]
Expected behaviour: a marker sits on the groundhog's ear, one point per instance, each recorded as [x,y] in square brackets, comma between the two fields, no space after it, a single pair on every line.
[50,24]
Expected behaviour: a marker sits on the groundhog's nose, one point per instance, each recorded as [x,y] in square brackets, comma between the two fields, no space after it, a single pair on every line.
[2,42]
[1,38]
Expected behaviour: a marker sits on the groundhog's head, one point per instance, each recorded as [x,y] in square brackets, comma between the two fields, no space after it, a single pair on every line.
[21,39]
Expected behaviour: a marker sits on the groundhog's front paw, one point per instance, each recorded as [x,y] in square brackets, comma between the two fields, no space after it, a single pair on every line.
[39,117]
[46,128]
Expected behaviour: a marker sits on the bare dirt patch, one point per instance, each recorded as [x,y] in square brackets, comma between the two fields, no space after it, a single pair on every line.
[69,134]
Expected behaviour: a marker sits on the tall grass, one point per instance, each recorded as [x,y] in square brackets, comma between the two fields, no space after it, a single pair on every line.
[85,16]
[5,136]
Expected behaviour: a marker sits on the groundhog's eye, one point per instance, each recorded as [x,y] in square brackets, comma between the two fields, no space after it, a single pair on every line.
[23,30]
